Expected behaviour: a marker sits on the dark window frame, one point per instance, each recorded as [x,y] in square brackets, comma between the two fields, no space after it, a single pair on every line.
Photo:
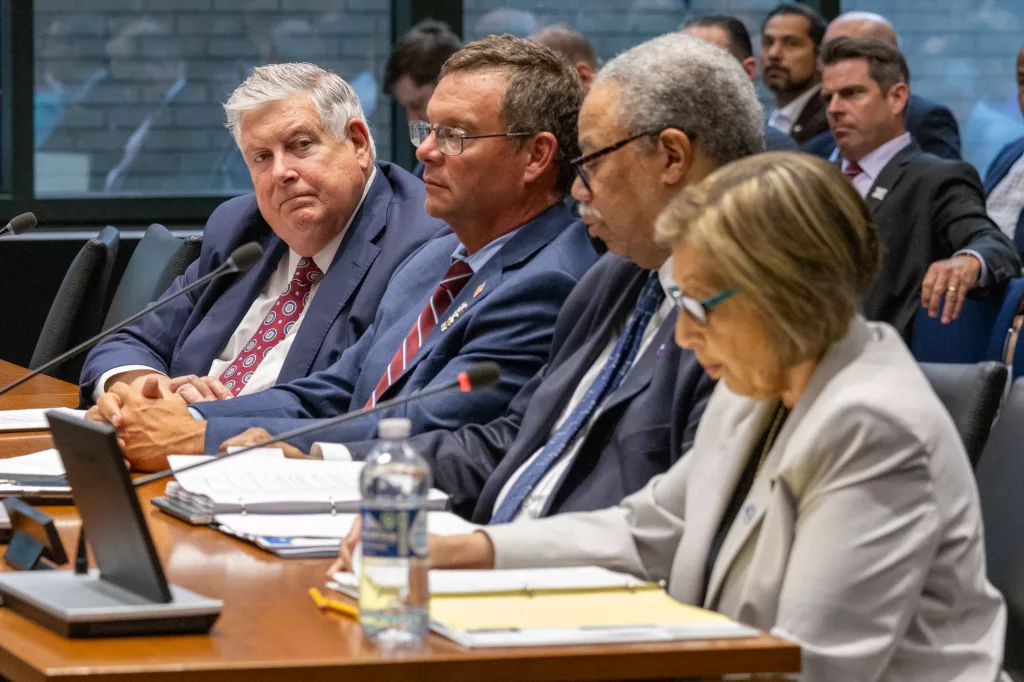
[17,181]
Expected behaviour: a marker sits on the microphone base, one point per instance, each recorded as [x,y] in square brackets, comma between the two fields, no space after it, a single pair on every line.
[76,605]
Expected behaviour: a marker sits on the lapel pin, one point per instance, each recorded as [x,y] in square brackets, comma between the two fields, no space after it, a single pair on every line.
[454,316]
[749,511]
[661,349]
[479,289]
[879,193]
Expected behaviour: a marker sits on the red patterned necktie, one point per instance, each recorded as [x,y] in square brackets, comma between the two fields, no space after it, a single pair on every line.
[456,277]
[852,170]
[278,323]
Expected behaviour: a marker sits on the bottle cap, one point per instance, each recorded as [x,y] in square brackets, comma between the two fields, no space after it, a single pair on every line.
[395,428]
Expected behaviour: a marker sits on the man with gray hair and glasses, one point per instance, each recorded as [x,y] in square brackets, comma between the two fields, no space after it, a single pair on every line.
[618,401]
[496,151]
[334,223]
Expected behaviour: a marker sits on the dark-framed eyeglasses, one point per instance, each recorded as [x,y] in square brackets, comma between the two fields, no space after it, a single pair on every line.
[698,309]
[450,141]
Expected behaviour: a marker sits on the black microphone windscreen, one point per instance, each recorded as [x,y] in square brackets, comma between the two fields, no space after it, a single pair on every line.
[480,375]
[23,223]
[245,256]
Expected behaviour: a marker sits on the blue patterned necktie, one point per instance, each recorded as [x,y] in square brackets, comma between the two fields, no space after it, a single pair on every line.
[615,369]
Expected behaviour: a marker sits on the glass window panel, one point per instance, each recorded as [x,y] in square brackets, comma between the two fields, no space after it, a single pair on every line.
[611,26]
[962,54]
[128,93]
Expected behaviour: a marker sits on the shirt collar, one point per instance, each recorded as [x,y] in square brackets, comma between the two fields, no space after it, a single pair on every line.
[481,256]
[872,163]
[665,277]
[792,111]
[325,256]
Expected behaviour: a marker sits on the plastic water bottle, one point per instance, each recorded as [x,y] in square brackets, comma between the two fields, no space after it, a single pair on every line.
[393,592]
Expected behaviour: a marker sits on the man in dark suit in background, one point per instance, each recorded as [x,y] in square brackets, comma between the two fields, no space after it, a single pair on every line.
[502,130]
[324,211]
[731,35]
[410,74]
[931,125]
[938,242]
[575,438]
[791,38]
[1004,181]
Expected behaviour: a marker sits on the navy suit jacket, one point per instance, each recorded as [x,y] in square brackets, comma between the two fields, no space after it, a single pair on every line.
[505,313]
[997,170]
[645,426]
[932,126]
[186,336]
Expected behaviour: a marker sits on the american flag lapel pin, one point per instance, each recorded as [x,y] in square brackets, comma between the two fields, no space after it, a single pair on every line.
[480,288]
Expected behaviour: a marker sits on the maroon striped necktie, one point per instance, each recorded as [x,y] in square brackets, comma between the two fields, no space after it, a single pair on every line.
[456,277]
[852,170]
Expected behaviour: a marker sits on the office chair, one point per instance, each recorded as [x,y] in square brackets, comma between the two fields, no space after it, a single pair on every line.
[159,258]
[978,334]
[78,308]
[1000,476]
[971,394]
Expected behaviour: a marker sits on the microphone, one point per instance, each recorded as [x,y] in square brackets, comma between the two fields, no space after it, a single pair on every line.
[240,260]
[480,375]
[20,224]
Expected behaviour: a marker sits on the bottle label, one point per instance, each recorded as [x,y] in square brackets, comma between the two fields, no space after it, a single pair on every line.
[394,533]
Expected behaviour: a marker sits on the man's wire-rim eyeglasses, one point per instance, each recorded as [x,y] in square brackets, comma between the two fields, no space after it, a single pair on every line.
[450,141]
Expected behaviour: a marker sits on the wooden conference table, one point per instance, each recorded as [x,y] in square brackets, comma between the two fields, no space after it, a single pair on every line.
[270,630]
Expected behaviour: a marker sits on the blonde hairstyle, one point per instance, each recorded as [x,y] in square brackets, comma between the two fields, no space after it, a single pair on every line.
[788,232]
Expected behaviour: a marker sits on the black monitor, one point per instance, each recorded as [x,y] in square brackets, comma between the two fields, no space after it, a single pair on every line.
[110,511]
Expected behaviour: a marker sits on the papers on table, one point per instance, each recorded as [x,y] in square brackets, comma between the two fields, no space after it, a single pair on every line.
[45,463]
[31,420]
[272,486]
[537,607]
[35,477]
[312,535]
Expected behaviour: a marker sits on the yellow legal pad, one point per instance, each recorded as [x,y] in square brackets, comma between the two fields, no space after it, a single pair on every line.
[643,605]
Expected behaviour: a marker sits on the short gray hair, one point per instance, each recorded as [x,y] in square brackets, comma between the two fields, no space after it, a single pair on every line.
[335,101]
[678,81]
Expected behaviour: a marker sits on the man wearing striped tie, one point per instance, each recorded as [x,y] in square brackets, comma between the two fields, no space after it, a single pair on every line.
[939,245]
[497,147]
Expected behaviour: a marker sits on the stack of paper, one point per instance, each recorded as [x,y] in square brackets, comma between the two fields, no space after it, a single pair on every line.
[35,477]
[536,607]
[274,486]
[314,535]
[31,420]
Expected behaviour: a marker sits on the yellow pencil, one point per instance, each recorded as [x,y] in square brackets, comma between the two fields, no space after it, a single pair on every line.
[323,603]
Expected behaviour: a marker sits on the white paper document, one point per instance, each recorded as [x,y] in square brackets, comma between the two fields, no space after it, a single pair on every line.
[31,420]
[333,527]
[266,485]
[45,463]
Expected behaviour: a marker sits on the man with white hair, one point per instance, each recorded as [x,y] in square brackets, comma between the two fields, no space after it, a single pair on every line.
[334,223]
[618,401]
[931,125]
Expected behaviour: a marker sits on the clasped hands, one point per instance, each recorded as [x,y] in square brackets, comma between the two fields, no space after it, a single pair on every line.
[152,419]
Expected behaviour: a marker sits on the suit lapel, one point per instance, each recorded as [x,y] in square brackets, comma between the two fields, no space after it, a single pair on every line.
[353,259]
[891,175]
[839,356]
[530,238]
[224,316]
[707,502]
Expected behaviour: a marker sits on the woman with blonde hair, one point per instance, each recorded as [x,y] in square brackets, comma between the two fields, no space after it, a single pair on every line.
[827,497]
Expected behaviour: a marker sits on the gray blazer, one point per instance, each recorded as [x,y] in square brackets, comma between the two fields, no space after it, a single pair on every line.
[860,540]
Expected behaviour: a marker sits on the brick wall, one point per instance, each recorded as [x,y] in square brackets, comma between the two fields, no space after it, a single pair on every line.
[106,71]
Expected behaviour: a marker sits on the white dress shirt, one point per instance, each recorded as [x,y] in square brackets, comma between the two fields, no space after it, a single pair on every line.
[535,502]
[871,166]
[268,370]
[338,451]
[784,118]
[1006,201]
